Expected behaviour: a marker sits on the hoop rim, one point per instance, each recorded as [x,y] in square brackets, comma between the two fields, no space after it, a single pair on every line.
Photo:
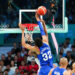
[29,26]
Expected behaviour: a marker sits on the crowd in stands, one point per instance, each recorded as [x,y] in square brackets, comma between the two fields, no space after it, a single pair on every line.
[18,62]
[68,50]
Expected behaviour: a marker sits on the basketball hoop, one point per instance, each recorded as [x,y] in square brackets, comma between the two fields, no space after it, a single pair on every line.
[29,26]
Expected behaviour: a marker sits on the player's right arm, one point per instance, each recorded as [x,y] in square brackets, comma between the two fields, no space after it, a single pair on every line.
[45,29]
[29,47]
[42,29]
[32,54]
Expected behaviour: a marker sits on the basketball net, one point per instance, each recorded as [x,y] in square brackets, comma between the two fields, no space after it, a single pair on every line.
[29,37]
[30,28]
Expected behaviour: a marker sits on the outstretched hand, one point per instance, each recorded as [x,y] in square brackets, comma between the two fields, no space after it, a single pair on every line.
[21,27]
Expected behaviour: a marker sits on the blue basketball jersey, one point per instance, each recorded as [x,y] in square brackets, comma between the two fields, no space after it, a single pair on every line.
[45,56]
[58,71]
[73,74]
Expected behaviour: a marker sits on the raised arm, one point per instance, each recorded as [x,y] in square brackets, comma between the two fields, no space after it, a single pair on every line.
[44,26]
[29,47]
[42,29]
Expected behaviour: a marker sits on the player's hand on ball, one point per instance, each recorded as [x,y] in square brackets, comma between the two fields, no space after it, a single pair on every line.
[21,27]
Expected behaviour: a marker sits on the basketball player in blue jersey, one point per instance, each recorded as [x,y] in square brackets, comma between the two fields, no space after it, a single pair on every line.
[62,69]
[73,69]
[41,48]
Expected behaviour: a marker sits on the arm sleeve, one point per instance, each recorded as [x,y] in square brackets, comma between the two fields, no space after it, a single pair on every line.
[41,28]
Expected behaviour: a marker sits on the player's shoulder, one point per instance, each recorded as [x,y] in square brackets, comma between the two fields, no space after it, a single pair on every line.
[45,43]
[66,72]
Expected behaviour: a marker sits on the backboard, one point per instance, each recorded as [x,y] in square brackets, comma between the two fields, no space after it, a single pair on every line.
[28,16]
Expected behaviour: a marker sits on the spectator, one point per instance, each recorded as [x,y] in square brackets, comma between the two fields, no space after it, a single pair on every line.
[25,59]
[25,72]
[13,67]
[10,72]
[73,48]
[23,67]
[19,57]
[33,66]
[60,55]
[3,58]
[1,73]
[23,52]
[64,49]
[8,60]
[2,65]
[16,61]
[17,72]
[6,72]
[34,73]
[0,68]
[9,54]
[15,49]
[68,55]
[72,56]
[67,41]
[72,60]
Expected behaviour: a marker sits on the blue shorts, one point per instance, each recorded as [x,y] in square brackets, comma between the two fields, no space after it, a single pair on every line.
[44,70]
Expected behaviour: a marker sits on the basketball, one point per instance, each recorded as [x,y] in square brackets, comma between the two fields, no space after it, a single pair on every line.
[42,10]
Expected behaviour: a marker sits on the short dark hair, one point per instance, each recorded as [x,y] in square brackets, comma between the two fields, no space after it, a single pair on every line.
[25,71]
[38,42]
[1,72]
[73,46]
[73,55]
[34,72]
[6,70]
[67,38]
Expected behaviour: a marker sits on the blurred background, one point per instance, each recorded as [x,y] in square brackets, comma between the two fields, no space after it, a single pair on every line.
[14,59]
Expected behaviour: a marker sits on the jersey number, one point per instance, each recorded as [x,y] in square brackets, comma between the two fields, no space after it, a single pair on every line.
[56,73]
[47,56]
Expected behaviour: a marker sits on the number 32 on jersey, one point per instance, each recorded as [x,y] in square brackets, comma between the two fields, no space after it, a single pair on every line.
[47,56]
